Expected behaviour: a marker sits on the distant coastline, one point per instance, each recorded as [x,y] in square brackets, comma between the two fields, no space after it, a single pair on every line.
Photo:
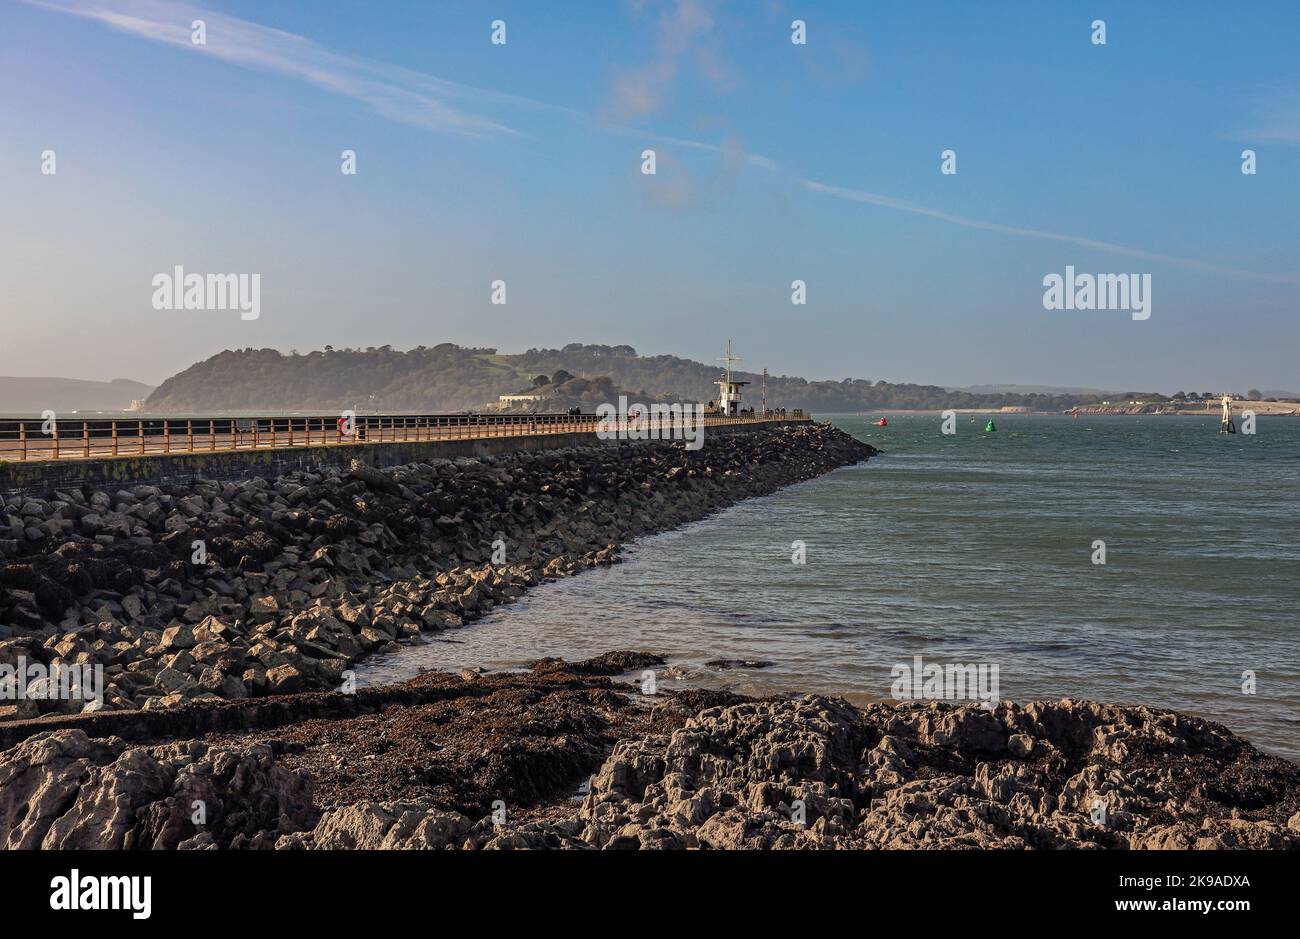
[1261,409]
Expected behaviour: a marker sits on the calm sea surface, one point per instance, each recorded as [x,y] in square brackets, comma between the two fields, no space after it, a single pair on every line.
[972,548]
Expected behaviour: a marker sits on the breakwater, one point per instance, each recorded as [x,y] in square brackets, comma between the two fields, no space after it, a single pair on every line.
[241,454]
[210,590]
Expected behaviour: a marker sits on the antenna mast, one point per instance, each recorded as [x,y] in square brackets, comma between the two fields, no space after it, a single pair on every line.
[729,358]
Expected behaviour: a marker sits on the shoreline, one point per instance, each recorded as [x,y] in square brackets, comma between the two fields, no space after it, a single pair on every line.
[499,761]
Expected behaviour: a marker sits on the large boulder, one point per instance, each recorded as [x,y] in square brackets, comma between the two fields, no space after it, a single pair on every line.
[63,790]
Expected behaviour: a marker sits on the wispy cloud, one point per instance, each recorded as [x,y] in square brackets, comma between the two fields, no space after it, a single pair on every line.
[394,93]
[901,205]
[419,99]
[643,90]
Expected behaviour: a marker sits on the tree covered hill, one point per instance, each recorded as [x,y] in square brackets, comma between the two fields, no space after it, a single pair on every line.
[445,377]
[448,377]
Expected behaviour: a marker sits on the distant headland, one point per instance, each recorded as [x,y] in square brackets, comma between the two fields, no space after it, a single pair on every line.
[452,378]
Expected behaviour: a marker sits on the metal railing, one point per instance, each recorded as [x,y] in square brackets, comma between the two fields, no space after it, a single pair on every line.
[31,440]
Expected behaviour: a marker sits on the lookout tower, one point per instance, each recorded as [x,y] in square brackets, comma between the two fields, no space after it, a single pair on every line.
[728,388]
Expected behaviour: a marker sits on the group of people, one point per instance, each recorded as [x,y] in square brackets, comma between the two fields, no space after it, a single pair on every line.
[769,412]
[712,408]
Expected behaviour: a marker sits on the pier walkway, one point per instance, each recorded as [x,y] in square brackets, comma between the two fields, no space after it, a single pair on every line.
[36,440]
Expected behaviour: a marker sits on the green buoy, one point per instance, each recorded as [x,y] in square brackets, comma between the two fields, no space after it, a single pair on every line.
[989,428]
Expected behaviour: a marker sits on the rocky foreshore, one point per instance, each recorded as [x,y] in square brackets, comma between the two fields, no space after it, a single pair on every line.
[224,591]
[567,756]
[220,726]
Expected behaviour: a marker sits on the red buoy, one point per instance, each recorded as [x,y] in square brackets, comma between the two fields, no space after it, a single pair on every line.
[882,423]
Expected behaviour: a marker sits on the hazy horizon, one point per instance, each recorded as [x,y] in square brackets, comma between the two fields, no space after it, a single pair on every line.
[775,162]
[979,387]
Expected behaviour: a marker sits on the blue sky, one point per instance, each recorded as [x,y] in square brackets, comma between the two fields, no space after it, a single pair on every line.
[521,162]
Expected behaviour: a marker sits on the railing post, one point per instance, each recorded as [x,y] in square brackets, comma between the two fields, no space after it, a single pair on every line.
[140,428]
[212,435]
[189,436]
[234,435]
[22,440]
[114,431]
[56,440]
[85,439]
[167,436]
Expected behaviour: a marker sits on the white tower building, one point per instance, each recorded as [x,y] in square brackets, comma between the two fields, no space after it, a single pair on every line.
[729,388]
